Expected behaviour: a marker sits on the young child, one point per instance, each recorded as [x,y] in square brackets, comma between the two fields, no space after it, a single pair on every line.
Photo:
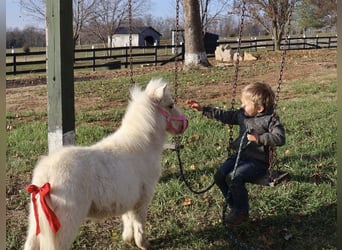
[255,114]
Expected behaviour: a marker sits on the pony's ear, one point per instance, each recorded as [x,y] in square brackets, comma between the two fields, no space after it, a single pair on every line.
[156,88]
[159,92]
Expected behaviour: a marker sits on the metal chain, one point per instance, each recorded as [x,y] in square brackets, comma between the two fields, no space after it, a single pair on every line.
[177,138]
[130,41]
[238,56]
[237,63]
[176,52]
[272,150]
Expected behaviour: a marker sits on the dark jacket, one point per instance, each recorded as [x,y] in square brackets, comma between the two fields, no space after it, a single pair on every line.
[270,133]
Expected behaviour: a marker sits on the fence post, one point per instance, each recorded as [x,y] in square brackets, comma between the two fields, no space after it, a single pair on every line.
[329,42]
[126,51]
[60,74]
[94,65]
[14,62]
[289,42]
[316,41]
[155,54]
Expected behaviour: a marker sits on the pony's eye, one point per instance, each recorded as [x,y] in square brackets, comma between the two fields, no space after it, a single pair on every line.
[171,106]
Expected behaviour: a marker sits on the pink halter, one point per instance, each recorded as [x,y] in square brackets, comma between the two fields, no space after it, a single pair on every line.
[170,118]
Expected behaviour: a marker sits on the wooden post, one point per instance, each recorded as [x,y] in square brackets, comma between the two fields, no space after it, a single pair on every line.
[60,74]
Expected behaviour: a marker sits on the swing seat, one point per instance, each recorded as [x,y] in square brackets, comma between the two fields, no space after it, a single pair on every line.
[272,180]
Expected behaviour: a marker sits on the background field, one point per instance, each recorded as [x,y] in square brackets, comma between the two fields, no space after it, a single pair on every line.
[298,214]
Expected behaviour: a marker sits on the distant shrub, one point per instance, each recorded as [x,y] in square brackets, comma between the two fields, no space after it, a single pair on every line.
[26,48]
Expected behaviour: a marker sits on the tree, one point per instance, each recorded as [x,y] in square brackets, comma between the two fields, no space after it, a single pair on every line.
[271,14]
[195,53]
[210,10]
[110,14]
[316,14]
[82,11]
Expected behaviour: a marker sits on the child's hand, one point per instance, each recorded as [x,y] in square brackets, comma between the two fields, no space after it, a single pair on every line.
[253,137]
[194,105]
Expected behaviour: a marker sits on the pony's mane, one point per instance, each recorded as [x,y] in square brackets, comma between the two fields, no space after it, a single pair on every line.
[139,125]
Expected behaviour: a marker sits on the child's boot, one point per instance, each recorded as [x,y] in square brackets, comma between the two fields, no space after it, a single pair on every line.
[236,217]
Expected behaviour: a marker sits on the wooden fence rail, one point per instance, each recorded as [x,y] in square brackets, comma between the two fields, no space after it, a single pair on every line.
[295,43]
[112,58]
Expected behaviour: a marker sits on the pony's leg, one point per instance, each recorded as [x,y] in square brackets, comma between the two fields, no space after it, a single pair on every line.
[139,221]
[127,234]
[70,218]
[32,241]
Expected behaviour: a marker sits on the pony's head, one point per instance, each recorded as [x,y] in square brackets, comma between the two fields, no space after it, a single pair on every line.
[159,92]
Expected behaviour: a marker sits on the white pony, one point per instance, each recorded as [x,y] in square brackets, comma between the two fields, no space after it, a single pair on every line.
[116,176]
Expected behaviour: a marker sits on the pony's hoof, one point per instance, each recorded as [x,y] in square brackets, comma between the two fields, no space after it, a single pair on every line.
[127,239]
[146,245]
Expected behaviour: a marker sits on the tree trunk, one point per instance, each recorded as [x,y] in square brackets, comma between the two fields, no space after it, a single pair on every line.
[195,53]
[276,38]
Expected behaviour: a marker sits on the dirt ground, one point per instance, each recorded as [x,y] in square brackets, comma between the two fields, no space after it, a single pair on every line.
[22,94]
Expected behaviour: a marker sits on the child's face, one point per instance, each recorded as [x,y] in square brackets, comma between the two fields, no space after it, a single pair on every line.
[249,107]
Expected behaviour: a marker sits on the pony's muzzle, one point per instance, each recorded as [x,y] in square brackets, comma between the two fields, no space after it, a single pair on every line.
[184,123]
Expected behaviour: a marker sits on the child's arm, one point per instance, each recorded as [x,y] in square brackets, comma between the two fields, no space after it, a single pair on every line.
[227,117]
[276,136]
[194,105]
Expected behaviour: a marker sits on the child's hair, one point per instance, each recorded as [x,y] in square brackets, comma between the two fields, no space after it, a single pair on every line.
[261,94]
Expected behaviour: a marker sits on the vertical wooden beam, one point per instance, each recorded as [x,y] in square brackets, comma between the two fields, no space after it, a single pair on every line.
[60,74]
[3,132]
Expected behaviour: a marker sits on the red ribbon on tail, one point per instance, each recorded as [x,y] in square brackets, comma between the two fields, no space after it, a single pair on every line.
[50,215]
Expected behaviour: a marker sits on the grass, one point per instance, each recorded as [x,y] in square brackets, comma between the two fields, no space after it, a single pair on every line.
[299,214]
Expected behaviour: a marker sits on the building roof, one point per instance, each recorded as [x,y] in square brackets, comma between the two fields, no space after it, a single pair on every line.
[135,30]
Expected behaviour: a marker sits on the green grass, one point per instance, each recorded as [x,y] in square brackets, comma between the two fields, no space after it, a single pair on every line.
[299,214]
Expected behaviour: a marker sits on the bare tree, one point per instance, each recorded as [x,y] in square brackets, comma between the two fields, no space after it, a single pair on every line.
[195,53]
[211,10]
[271,14]
[316,14]
[34,8]
[110,14]
[82,11]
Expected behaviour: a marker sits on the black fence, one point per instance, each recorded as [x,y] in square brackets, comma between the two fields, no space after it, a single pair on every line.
[114,58]
[294,43]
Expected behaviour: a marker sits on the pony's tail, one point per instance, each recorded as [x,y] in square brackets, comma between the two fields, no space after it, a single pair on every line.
[47,238]
[43,223]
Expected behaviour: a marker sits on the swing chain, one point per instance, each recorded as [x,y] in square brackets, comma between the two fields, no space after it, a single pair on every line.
[176,52]
[130,41]
[176,139]
[238,55]
[233,102]
[272,151]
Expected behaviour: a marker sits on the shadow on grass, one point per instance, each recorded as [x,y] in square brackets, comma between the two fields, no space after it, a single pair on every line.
[315,230]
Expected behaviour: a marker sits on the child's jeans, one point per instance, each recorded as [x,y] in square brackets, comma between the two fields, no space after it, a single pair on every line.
[235,190]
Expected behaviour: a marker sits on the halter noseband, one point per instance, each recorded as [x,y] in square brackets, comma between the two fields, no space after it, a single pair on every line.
[171,118]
